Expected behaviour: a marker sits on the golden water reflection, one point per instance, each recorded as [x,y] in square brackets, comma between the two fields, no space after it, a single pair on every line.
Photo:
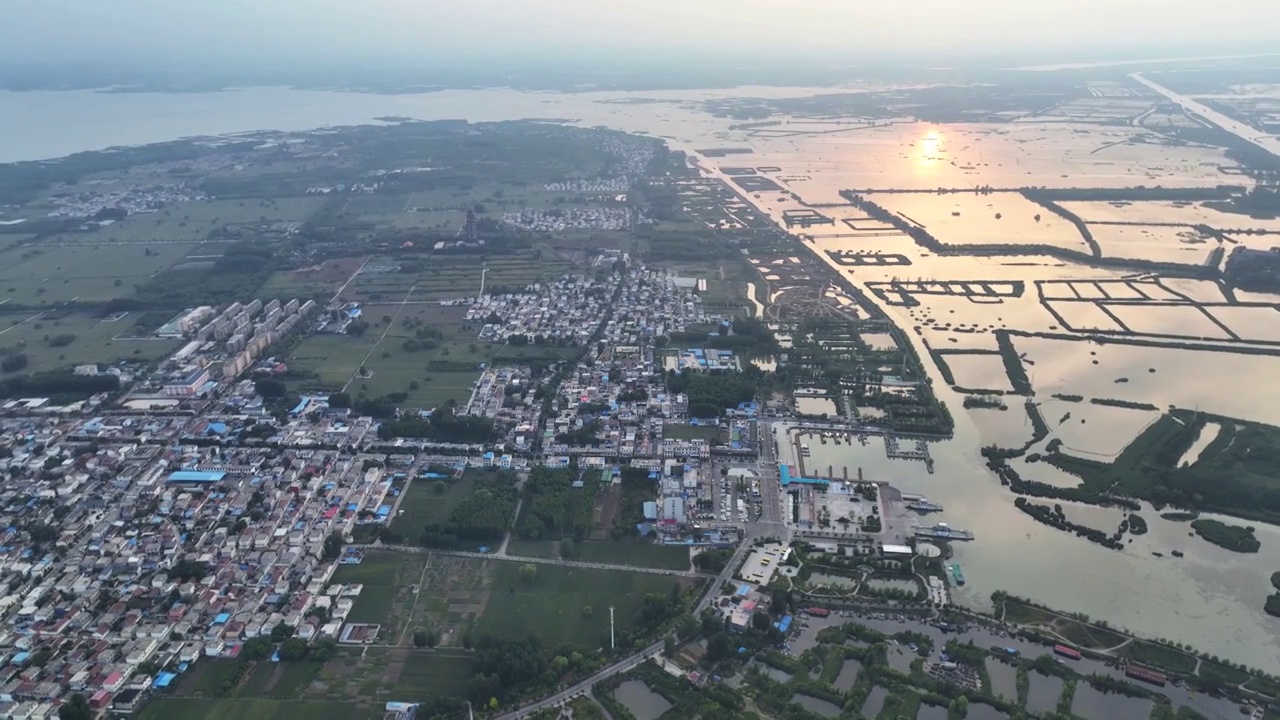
[929,149]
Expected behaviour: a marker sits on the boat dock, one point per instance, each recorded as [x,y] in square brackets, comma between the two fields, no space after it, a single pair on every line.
[917,449]
[942,531]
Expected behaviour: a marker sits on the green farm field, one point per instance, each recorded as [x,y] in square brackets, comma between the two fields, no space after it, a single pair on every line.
[395,364]
[193,221]
[253,709]
[36,335]
[443,672]
[445,277]
[403,592]
[552,606]
[381,574]
[421,504]
[334,359]
[88,273]
[640,554]
[682,431]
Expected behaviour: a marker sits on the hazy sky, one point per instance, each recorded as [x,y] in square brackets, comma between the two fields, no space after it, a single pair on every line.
[305,29]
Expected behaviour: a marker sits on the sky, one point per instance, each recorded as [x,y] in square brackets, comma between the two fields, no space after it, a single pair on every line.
[314,30]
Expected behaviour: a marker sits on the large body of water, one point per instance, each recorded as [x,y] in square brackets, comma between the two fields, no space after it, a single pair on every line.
[1211,599]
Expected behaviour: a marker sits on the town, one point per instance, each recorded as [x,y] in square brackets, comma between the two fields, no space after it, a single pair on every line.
[422,420]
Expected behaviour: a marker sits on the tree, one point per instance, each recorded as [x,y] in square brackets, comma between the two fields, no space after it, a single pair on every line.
[324,650]
[669,646]
[258,648]
[687,628]
[293,649]
[13,363]
[333,545]
[529,573]
[420,637]
[281,632]
[760,621]
[76,708]
[566,548]
[439,487]
[269,387]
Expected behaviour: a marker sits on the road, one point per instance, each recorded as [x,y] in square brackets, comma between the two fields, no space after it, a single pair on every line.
[629,662]
[536,561]
[506,539]
[770,488]
[1270,143]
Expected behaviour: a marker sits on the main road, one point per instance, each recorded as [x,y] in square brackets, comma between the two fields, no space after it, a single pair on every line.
[1244,131]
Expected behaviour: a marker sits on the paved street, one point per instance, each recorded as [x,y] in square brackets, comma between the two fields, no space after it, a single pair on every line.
[770,489]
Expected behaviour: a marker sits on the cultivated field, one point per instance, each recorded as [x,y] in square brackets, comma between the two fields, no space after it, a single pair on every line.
[53,340]
[87,273]
[552,606]
[404,592]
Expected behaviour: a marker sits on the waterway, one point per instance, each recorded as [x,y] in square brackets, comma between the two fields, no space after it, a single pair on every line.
[1211,599]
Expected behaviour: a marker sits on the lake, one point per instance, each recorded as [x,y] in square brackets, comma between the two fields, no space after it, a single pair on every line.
[1004,679]
[817,705]
[1044,693]
[1089,702]
[848,676]
[874,703]
[643,702]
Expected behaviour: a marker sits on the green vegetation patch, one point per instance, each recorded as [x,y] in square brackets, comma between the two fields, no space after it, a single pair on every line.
[710,394]
[84,273]
[568,604]
[554,508]
[54,340]
[1238,473]
[432,500]
[633,552]
[207,678]
[251,709]
[1231,537]
[1159,656]
[479,517]
[533,548]
[436,673]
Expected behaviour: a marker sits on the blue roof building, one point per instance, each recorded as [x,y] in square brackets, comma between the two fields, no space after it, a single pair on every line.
[784,475]
[195,476]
